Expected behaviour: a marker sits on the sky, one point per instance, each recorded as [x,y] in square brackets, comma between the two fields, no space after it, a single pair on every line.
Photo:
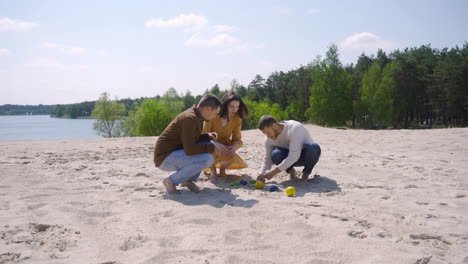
[63,52]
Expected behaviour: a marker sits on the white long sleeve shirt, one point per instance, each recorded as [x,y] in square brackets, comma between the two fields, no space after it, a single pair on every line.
[293,137]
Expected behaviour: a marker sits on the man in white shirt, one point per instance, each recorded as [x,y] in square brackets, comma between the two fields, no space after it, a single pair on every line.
[288,145]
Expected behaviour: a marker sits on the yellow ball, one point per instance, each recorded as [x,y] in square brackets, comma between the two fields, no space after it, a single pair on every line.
[290,191]
[259,185]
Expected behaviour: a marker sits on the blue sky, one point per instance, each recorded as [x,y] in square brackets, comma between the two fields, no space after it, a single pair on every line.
[60,52]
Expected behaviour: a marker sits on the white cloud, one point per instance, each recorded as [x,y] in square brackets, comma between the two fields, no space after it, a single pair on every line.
[4,51]
[366,41]
[65,48]
[313,11]
[224,28]
[7,24]
[204,34]
[218,40]
[181,21]
[49,63]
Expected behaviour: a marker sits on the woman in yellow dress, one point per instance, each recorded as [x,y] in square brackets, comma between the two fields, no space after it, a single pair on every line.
[228,129]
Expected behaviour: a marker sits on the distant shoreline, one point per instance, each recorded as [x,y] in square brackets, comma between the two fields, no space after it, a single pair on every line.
[81,117]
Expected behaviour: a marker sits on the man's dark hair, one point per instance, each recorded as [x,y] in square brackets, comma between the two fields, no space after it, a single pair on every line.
[243,111]
[266,121]
[209,100]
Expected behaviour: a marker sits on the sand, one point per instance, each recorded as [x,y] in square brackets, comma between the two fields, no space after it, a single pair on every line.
[390,196]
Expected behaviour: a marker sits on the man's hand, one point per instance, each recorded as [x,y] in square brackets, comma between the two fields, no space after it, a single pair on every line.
[261,178]
[268,175]
[213,135]
[271,173]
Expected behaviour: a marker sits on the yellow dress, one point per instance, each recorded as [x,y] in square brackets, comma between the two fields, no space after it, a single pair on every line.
[229,135]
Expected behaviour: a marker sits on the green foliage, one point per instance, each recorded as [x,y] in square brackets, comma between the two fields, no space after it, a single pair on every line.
[382,105]
[188,100]
[257,109]
[129,123]
[108,114]
[330,100]
[172,101]
[81,110]
[151,118]
[449,87]
[256,90]
[366,103]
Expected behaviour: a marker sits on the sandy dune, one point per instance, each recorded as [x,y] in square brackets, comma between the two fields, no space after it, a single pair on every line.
[398,196]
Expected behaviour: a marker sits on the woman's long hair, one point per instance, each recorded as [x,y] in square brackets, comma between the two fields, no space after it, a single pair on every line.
[243,111]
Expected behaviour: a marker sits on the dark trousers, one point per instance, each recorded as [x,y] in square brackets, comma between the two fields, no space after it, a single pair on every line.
[310,155]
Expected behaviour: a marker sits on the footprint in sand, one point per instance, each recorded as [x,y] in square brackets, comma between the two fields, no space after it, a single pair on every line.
[423,260]
[422,203]
[230,240]
[336,217]
[54,239]
[428,237]
[357,234]
[11,257]
[142,174]
[199,221]
[305,216]
[168,213]
[4,205]
[170,241]
[364,224]
[133,242]
[234,236]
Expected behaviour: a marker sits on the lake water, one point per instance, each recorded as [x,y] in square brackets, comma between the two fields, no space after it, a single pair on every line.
[42,127]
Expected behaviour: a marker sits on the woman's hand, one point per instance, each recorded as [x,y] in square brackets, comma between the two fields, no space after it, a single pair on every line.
[213,135]
[230,151]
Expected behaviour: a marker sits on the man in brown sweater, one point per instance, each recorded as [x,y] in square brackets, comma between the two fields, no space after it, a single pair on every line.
[184,149]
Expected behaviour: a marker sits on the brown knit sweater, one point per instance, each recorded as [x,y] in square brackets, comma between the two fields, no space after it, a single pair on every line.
[182,133]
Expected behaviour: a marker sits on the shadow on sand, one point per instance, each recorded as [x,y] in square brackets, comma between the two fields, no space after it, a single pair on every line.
[318,184]
[223,196]
[214,197]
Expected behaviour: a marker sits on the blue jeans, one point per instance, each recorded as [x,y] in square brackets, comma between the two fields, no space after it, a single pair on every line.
[310,155]
[186,167]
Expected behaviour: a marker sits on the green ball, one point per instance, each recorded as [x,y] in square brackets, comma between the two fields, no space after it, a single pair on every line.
[234,183]
[252,181]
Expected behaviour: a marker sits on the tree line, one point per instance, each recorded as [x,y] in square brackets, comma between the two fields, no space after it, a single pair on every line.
[418,87]
[9,109]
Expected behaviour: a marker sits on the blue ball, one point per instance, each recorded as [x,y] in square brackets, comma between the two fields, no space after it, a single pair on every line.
[273,188]
[243,182]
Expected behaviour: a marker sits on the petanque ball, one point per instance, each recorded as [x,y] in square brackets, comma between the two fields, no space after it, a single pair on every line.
[234,183]
[259,185]
[290,191]
[273,188]
[243,182]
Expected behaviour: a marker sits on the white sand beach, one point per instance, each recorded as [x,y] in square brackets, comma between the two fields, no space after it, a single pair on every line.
[389,196]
